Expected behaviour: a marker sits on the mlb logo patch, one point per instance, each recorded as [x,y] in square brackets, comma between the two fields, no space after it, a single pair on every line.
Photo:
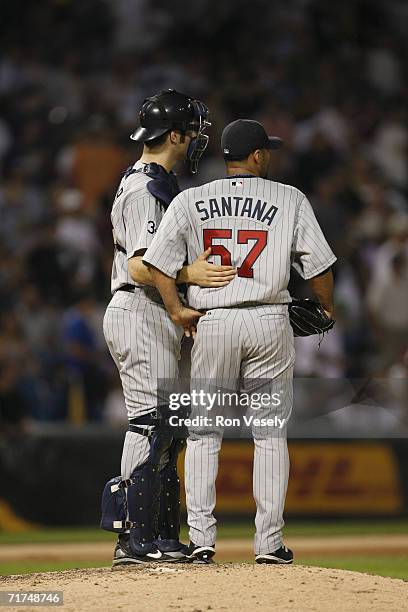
[238,183]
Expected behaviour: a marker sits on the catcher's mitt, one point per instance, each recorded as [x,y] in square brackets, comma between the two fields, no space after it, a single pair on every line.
[308,317]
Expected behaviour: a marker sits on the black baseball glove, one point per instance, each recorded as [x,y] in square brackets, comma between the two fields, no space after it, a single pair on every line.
[308,317]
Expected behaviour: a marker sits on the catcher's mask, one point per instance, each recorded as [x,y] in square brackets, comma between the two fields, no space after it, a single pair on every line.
[199,143]
[172,110]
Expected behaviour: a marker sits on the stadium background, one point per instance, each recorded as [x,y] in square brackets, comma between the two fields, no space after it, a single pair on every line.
[332,82]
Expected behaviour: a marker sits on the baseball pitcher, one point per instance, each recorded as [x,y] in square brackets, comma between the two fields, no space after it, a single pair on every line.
[262,228]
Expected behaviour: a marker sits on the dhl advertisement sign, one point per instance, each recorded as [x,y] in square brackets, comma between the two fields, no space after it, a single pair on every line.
[325,478]
[340,478]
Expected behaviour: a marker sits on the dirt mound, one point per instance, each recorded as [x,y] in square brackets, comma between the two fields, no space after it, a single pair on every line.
[187,588]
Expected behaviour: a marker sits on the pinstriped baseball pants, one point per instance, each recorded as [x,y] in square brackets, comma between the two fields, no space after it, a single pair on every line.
[248,346]
[145,346]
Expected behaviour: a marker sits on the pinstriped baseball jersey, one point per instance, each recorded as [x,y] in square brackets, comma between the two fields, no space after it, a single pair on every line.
[135,216]
[260,226]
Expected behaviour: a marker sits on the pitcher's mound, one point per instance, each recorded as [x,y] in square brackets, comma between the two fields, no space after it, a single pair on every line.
[230,587]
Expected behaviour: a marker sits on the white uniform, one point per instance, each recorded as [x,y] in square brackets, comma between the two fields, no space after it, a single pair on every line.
[261,227]
[142,339]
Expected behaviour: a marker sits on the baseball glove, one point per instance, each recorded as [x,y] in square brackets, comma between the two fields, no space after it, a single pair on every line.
[308,317]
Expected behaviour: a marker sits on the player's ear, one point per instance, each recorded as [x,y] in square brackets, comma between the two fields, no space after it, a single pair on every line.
[257,156]
[174,137]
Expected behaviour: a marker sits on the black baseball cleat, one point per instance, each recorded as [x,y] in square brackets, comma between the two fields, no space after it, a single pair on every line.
[124,556]
[283,556]
[200,554]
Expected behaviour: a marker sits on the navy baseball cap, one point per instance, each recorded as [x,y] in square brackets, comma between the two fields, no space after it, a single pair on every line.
[243,136]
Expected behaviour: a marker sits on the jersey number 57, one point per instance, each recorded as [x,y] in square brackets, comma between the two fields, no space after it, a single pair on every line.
[245,270]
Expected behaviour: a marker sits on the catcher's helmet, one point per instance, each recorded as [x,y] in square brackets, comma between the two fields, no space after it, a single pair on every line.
[172,110]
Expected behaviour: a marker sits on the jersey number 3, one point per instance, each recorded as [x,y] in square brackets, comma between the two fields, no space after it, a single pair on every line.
[245,270]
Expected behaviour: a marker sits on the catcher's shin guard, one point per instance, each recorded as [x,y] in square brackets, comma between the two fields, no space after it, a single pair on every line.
[143,497]
[169,520]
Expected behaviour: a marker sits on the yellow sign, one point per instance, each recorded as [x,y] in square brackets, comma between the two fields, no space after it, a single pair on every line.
[354,478]
[325,479]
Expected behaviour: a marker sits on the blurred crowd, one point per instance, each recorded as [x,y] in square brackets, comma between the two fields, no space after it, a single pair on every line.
[330,79]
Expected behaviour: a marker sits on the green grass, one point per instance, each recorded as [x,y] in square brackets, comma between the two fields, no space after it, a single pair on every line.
[28,567]
[63,534]
[229,530]
[381,565]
